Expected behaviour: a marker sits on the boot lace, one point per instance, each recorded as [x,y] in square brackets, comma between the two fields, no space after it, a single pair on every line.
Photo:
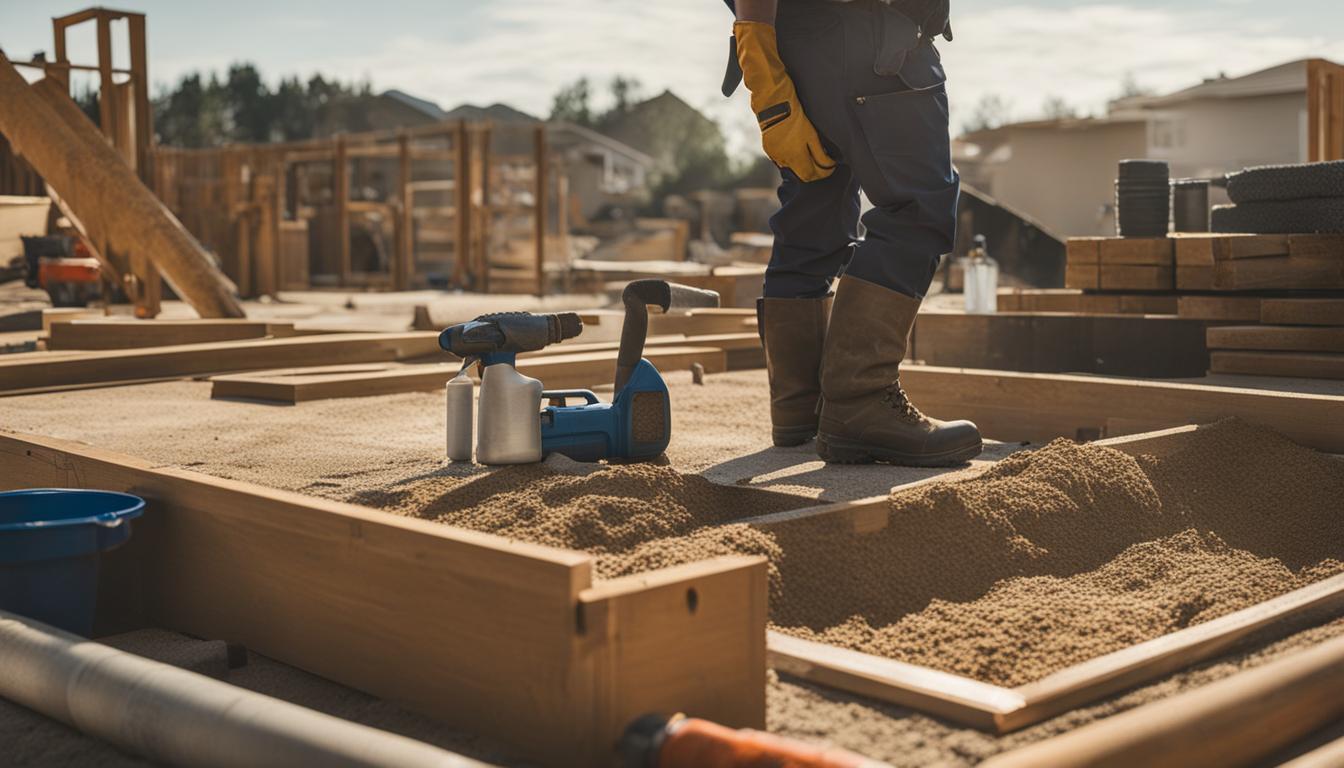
[896,398]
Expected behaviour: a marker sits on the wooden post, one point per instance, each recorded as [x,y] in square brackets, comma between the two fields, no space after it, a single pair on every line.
[540,193]
[263,198]
[404,264]
[107,96]
[144,118]
[462,249]
[341,197]
[482,254]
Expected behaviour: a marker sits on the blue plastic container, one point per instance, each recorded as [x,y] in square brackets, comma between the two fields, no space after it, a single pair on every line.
[50,541]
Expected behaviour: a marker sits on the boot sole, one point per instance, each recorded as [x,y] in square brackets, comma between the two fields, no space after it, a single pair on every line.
[788,437]
[835,450]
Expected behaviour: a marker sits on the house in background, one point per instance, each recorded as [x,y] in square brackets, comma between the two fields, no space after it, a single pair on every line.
[1062,172]
[601,172]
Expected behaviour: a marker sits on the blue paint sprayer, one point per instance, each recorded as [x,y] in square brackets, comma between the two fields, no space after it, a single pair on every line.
[513,428]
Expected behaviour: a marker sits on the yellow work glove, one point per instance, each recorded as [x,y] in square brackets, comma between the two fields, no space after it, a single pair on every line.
[787,136]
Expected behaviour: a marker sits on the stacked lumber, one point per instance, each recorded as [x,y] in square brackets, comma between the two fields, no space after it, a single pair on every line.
[1120,264]
[1308,351]
[1077,301]
[1259,262]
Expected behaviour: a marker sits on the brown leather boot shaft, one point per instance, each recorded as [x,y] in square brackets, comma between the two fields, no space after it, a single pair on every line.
[793,332]
[865,414]
[873,329]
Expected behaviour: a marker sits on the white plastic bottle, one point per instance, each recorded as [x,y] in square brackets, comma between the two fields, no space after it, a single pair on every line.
[461,392]
[509,419]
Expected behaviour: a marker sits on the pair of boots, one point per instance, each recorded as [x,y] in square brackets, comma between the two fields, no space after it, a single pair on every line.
[835,373]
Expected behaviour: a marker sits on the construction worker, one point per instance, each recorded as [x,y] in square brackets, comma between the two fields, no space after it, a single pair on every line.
[849,96]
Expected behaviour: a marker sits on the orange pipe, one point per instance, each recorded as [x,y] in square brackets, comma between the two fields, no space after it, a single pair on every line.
[692,743]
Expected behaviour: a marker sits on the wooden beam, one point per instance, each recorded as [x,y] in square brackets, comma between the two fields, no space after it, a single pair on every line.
[541,195]
[1239,720]
[556,371]
[1060,342]
[959,699]
[1284,338]
[1322,365]
[83,333]
[1001,709]
[1136,251]
[1302,311]
[110,200]
[1039,407]
[54,371]
[506,639]
[341,196]
[404,263]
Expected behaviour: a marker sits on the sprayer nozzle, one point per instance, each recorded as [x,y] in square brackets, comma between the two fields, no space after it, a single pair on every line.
[570,325]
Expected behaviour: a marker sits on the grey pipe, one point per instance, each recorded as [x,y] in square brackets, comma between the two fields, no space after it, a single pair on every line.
[178,717]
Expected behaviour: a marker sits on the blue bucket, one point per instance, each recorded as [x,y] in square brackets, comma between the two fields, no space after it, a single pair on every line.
[50,540]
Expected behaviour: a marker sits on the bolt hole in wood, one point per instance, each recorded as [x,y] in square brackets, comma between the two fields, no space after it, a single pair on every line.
[692,600]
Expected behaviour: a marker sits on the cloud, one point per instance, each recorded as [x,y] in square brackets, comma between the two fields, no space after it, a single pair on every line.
[522,51]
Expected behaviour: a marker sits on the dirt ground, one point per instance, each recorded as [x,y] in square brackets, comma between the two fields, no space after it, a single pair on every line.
[367,449]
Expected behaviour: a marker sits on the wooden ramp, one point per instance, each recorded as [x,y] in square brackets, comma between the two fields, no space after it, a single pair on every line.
[116,210]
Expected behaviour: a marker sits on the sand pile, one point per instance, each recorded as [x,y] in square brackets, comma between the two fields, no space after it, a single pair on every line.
[635,517]
[1046,559]
[1065,553]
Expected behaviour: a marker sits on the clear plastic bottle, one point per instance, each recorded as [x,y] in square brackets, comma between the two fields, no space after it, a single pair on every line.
[509,418]
[461,392]
[982,280]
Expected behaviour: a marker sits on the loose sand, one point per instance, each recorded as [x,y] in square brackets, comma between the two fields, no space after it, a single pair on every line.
[1058,555]
[1047,559]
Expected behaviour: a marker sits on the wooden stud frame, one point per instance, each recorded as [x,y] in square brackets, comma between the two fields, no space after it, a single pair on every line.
[510,640]
[1001,709]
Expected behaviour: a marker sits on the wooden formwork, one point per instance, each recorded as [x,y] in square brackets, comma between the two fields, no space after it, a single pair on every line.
[510,640]
[1002,709]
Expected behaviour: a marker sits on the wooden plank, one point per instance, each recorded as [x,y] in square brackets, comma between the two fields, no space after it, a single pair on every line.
[1060,342]
[129,334]
[1295,364]
[1085,277]
[48,372]
[97,184]
[959,699]
[1239,720]
[1023,402]
[1083,251]
[558,371]
[1277,337]
[1194,278]
[1222,308]
[1136,278]
[1279,273]
[1131,251]
[1302,311]
[1207,250]
[657,620]
[1102,676]
[478,631]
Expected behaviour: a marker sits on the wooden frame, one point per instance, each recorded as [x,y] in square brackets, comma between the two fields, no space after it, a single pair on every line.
[1001,709]
[557,371]
[1033,406]
[31,372]
[510,640]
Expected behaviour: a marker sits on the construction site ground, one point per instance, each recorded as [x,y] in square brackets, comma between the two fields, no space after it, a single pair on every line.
[363,449]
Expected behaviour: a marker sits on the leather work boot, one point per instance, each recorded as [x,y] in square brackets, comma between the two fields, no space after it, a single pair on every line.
[793,331]
[865,415]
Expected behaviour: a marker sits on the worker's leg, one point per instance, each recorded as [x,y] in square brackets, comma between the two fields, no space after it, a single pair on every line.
[891,124]
[815,229]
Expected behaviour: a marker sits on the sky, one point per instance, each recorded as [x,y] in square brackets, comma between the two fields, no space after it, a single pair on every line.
[521,51]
